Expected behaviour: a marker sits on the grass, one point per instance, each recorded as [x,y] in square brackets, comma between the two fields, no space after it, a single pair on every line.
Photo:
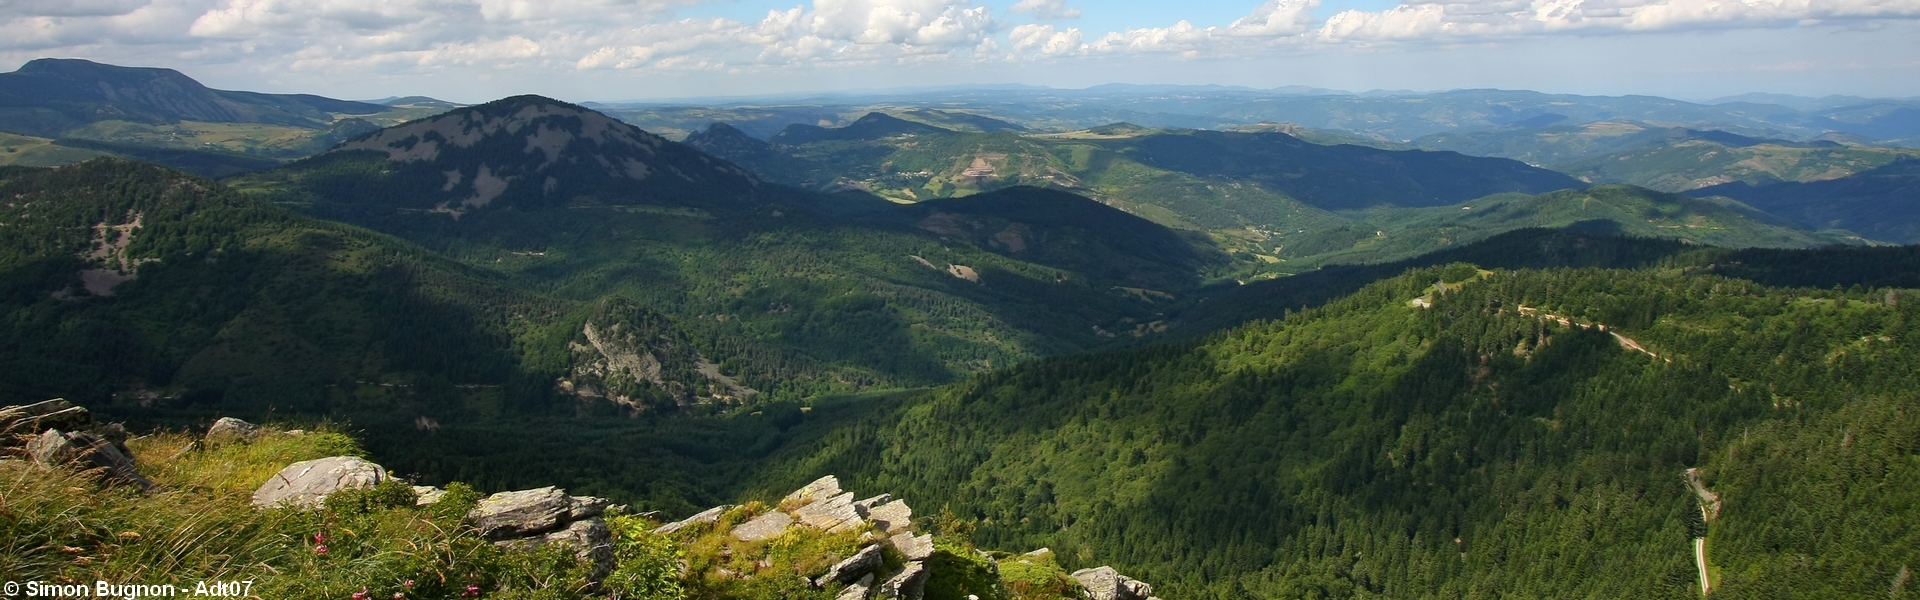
[200,529]
[59,527]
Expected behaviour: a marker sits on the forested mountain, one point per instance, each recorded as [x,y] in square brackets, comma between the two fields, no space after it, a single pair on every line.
[789,291]
[1882,203]
[1670,159]
[1458,432]
[52,96]
[86,109]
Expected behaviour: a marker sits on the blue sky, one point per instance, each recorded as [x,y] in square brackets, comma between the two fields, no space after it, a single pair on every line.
[473,50]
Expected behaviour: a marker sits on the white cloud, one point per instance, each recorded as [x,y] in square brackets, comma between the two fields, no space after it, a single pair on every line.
[1045,40]
[1276,17]
[403,38]
[1046,9]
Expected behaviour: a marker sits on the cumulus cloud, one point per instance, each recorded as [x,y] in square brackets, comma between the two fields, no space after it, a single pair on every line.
[397,37]
[1046,9]
[1045,40]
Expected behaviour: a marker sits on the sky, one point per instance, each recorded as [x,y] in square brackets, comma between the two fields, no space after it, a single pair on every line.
[627,50]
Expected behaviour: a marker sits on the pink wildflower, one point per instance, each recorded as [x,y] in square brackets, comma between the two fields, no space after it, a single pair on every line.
[320,549]
[362,594]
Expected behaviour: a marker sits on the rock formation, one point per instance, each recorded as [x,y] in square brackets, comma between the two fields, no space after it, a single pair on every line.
[230,429]
[306,484]
[1104,583]
[54,434]
[538,517]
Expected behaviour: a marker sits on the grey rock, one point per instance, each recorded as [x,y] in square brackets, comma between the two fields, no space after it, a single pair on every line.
[915,548]
[834,515]
[763,527]
[893,517]
[307,483]
[711,515]
[32,419]
[1041,553]
[858,591]
[1103,583]
[583,507]
[426,495]
[866,505]
[909,584]
[522,513]
[591,540]
[824,487]
[87,452]
[231,429]
[861,563]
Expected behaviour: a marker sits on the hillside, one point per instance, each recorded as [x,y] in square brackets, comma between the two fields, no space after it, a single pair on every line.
[1878,203]
[1454,432]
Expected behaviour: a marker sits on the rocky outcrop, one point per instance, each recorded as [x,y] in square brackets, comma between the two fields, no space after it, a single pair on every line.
[539,517]
[306,484]
[426,495]
[711,515]
[913,548]
[909,584]
[32,419]
[1104,583]
[858,591]
[763,527]
[893,517]
[89,453]
[833,515]
[229,429]
[846,571]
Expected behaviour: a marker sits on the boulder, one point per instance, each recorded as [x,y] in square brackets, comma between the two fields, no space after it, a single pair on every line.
[909,584]
[711,515]
[892,517]
[824,487]
[915,548]
[426,495]
[861,563]
[763,527]
[857,591]
[307,483]
[834,515]
[229,429]
[522,513]
[85,451]
[1103,583]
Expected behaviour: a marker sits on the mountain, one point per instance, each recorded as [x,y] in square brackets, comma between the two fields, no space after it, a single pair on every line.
[1878,203]
[789,292]
[1277,204]
[873,126]
[1342,177]
[1671,159]
[1456,431]
[559,153]
[50,97]
[1135,167]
